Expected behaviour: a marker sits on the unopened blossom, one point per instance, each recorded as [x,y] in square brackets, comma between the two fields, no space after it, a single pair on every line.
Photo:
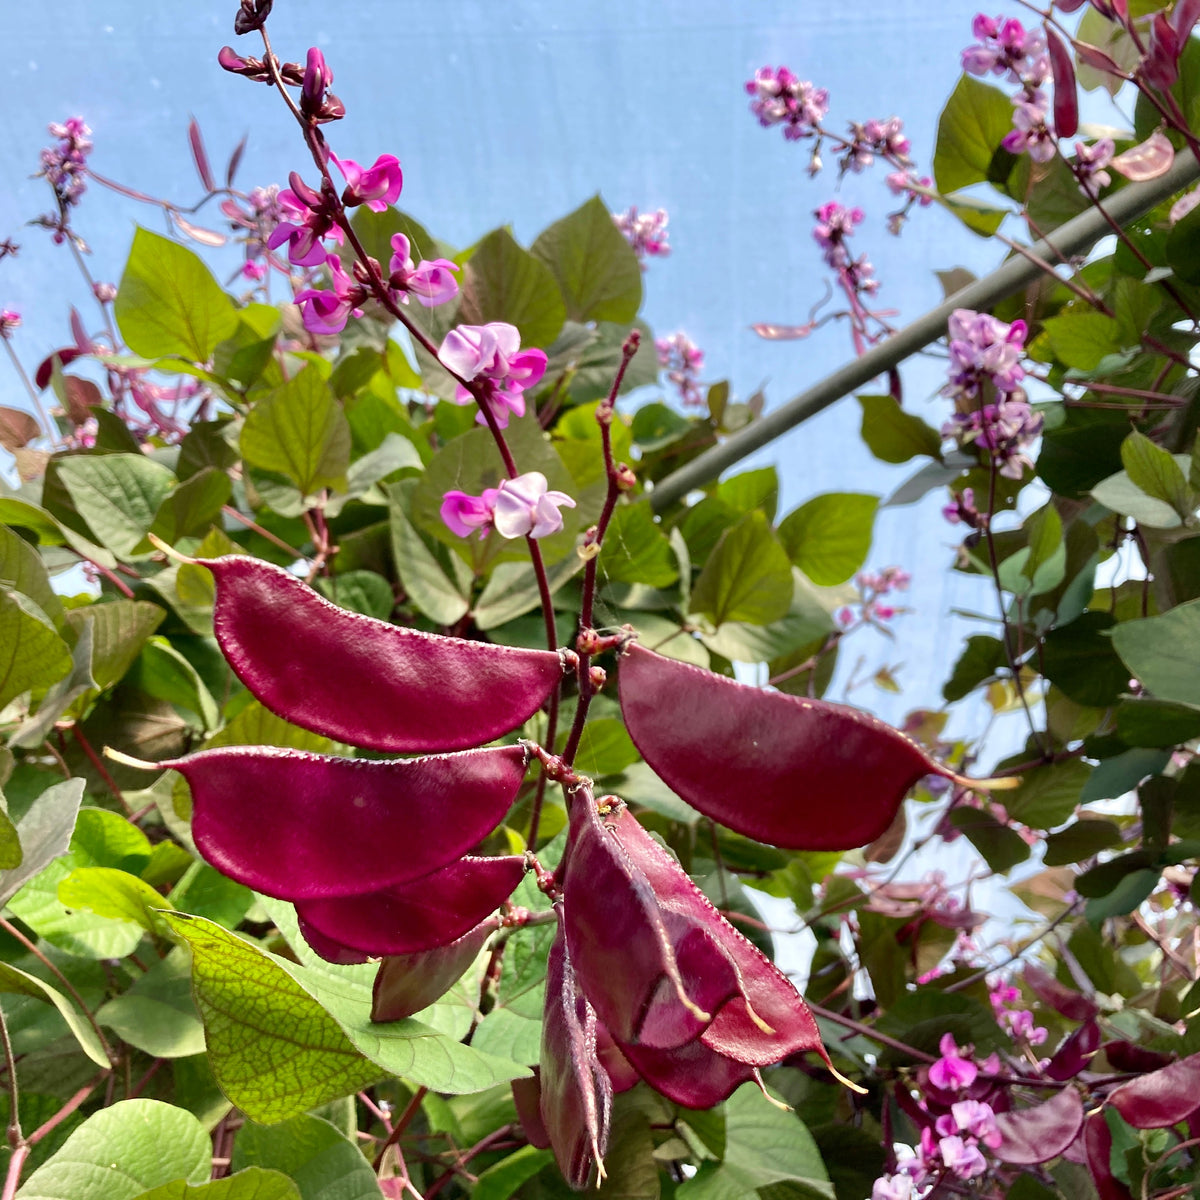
[645,232]
[432,282]
[955,1070]
[521,507]
[10,319]
[906,183]
[106,293]
[1090,162]
[491,356]
[1005,47]
[1013,1017]
[376,186]
[780,98]
[326,312]
[963,510]
[875,137]
[682,359]
[317,102]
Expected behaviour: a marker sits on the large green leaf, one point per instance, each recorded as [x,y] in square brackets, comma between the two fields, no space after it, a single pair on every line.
[169,302]
[747,578]
[193,506]
[120,629]
[1157,472]
[893,435]
[156,1014]
[763,1145]
[44,832]
[32,655]
[1080,659]
[123,1151]
[1082,337]
[1164,652]
[427,584]
[513,590]
[805,622]
[18,982]
[970,129]
[597,271]
[109,892]
[310,1151]
[299,430]
[503,282]
[117,495]
[22,569]
[1122,495]
[636,549]
[503,1179]
[253,1183]
[829,537]
[1048,795]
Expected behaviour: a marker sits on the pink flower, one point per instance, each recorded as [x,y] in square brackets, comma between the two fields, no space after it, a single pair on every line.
[683,360]
[646,233]
[973,1117]
[431,282]
[1090,162]
[318,78]
[1030,133]
[310,220]
[520,507]
[962,1157]
[376,186]
[327,312]
[491,354]
[782,99]
[10,319]
[892,1187]
[525,507]
[954,1070]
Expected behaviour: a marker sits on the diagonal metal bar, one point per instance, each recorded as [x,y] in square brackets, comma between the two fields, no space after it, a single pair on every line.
[1073,237]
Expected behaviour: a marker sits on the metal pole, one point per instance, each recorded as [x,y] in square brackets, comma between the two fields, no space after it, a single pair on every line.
[1074,237]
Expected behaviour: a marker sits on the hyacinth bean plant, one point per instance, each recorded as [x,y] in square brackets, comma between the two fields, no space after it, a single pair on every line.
[378,812]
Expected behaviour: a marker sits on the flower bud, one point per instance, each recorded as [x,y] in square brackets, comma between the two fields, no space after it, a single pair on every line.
[598,678]
[252,15]
[625,479]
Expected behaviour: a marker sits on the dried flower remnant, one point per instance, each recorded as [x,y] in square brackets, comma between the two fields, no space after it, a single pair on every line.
[645,232]
[682,359]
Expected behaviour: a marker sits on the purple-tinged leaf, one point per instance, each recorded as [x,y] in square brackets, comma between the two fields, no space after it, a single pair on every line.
[302,826]
[1161,1099]
[1038,1134]
[407,983]
[1066,102]
[420,914]
[576,1103]
[1076,1052]
[1097,1142]
[803,774]
[235,160]
[1071,1004]
[363,681]
[1147,160]
[199,156]
[691,1075]
[45,369]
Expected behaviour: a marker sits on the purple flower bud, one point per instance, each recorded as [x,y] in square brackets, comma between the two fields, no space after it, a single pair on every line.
[10,320]
[318,77]
[252,15]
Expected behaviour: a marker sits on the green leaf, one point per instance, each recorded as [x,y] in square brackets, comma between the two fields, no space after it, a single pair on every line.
[119,631]
[747,578]
[44,832]
[1164,652]
[117,495]
[1183,247]
[977,215]
[22,569]
[163,672]
[193,506]
[1120,774]
[300,431]
[427,585]
[504,1179]
[1082,337]
[829,537]
[1122,495]
[1046,564]
[806,622]
[970,130]
[597,271]
[274,1050]
[920,1019]
[604,748]
[763,1145]
[11,853]
[1080,840]
[204,892]
[109,892]
[395,453]
[1157,472]
[32,655]
[1001,847]
[513,590]
[503,282]
[1156,723]
[17,982]
[750,490]
[982,658]
[656,425]
[169,303]
[853,1157]
[1081,661]
[1083,450]
[310,1151]
[123,1151]
[156,1014]
[1047,795]
[636,550]
[1127,895]
[893,435]
[251,1184]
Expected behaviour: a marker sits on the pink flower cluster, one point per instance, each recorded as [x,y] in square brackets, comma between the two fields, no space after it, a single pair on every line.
[985,361]
[1090,162]
[65,168]
[885,138]
[1012,1017]
[645,232]
[682,359]
[255,222]
[491,357]
[835,223]
[872,587]
[962,510]
[520,507]
[780,98]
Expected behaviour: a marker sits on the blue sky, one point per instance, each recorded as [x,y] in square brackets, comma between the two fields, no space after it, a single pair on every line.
[516,112]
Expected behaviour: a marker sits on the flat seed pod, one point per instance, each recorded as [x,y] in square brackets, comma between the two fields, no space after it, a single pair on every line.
[691,1075]
[302,826]
[802,774]
[363,681]
[1097,1143]
[1066,102]
[407,983]
[420,914]
[1162,1098]
[576,1103]
[1041,1132]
